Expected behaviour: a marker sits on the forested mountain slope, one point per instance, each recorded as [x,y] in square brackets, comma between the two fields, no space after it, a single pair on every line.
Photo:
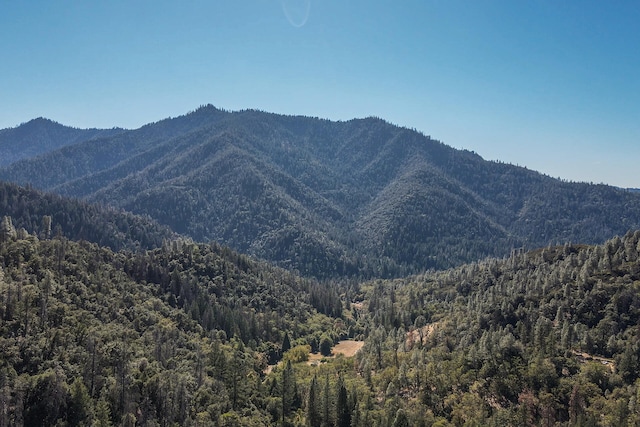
[175,336]
[39,136]
[47,215]
[182,335]
[358,198]
[548,337]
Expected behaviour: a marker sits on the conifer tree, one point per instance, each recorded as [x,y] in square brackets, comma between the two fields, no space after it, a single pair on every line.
[326,404]
[103,413]
[401,419]
[288,390]
[314,418]
[80,409]
[286,343]
[7,231]
[343,413]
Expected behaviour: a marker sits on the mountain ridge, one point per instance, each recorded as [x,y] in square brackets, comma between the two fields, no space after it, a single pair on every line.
[41,135]
[46,214]
[358,197]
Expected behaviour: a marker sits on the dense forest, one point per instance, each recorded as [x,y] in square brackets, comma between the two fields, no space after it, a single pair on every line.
[359,199]
[179,335]
[549,337]
[46,214]
[184,335]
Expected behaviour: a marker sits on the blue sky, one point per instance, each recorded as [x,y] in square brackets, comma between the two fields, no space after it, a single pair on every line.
[551,85]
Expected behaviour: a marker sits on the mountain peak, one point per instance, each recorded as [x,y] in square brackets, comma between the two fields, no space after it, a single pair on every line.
[39,121]
[42,135]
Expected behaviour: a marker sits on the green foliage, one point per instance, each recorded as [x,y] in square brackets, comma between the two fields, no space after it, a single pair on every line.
[182,334]
[297,354]
[326,344]
[286,343]
[401,419]
[313,408]
[539,338]
[343,411]
[80,410]
[89,336]
[47,214]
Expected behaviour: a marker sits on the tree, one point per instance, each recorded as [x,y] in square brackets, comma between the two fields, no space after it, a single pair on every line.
[297,354]
[288,391]
[103,413]
[46,227]
[46,398]
[628,364]
[314,418]
[80,411]
[419,324]
[326,404]
[401,419]
[325,345]
[343,412]
[286,343]
[7,231]
[5,395]
[236,375]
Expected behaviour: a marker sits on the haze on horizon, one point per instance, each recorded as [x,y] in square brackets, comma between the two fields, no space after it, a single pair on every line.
[548,85]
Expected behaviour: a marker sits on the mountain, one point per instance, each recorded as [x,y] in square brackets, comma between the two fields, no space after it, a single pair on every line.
[40,136]
[46,215]
[361,198]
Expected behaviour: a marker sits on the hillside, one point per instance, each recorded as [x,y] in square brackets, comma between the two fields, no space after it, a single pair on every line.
[40,136]
[175,336]
[183,334]
[362,198]
[548,337]
[46,215]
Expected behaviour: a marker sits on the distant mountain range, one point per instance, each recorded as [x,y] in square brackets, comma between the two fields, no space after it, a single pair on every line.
[40,136]
[356,198]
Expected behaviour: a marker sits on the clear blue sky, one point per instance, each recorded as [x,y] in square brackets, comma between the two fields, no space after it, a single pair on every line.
[553,85]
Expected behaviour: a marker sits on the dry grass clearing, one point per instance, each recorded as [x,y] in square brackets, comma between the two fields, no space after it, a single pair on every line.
[348,348]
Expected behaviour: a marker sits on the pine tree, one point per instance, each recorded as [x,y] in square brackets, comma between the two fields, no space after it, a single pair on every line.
[46,227]
[236,376]
[314,418]
[326,404]
[401,419]
[7,231]
[80,409]
[343,413]
[103,413]
[286,343]
[288,390]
